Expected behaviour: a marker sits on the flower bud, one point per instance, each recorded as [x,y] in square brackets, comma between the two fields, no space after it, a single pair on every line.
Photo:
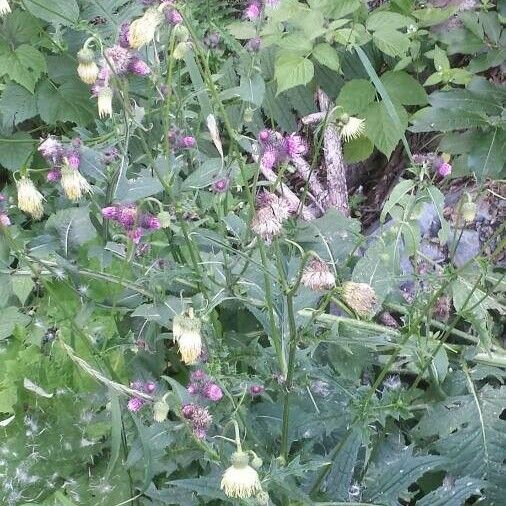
[468,210]
[361,297]
[180,50]
[165,219]
[181,33]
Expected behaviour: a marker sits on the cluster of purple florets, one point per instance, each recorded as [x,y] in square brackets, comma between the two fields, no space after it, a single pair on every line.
[434,161]
[276,149]
[132,220]
[199,419]
[56,154]
[135,403]
[179,140]
[201,384]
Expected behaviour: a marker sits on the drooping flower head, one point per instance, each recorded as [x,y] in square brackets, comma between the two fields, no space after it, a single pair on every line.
[72,181]
[29,198]
[361,297]
[317,276]
[351,127]
[240,480]
[5,8]
[266,224]
[105,102]
[142,30]
[186,331]
[87,68]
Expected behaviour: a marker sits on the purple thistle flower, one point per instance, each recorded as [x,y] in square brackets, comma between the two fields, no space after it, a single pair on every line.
[150,222]
[110,155]
[138,67]
[188,141]
[255,390]
[135,404]
[150,387]
[4,220]
[198,375]
[110,213]
[253,45]
[119,58]
[294,145]
[135,235]
[213,392]
[221,185]
[127,216]
[173,17]
[212,40]
[444,169]
[253,10]
[124,33]
[54,175]
[73,159]
[51,150]
[193,389]
[188,410]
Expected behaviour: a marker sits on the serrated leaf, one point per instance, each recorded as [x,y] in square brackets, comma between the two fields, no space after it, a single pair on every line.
[433,16]
[381,129]
[391,42]
[25,65]
[144,185]
[17,104]
[384,20]
[327,55]
[73,227]
[63,12]
[455,493]
[11,317]
[355,96]
[16,150]
[69,102]
[404,88]
[292,70]
[432,119]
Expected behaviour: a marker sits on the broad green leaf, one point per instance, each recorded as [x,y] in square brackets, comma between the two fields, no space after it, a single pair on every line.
[73,227]
[432,15]
[334,9]
[453,494]
[391,42]
[22,287]
[432,119]
[292,70]
[487,154]
[384,20]
[355,96]
[20,27]
[381,129]
[404,88]
[69,102]
[63,12]
[437,198]
[358,150]
[327,55]
[242,30]
[296,43]
[441,61]
[11,317]
[16,150]
[141,186]
[17,104]
[25,65]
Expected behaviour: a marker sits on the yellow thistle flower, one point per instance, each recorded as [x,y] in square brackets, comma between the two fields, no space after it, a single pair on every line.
[361,297]
[181,49]
[5,8]
[240,480]
[73,183]
[160,411]
[105,102]
[186,332]
[142,30]
[29,198]
[351,127]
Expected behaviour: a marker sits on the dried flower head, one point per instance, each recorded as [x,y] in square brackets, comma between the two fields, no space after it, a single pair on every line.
[29,198]
[351,127]
[266,224]
[240,480]
[5,8]
[87,68]
[142,30]
[105,102]
[317,276]
[186,332]
[361,297]
[73,183]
